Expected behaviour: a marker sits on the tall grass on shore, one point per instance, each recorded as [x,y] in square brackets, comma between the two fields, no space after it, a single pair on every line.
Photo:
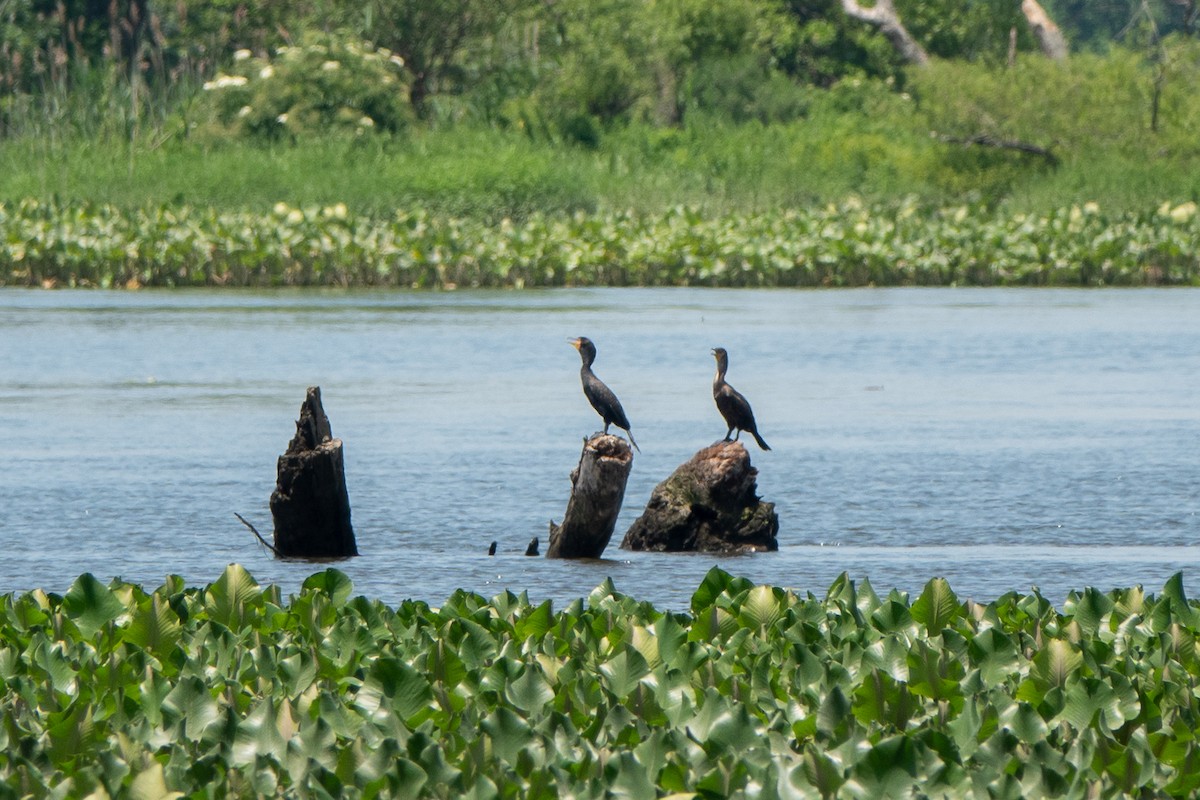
[491,174]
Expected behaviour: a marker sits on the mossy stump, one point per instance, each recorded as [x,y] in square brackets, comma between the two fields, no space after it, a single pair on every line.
[710,504]
[597,490]
[310,504]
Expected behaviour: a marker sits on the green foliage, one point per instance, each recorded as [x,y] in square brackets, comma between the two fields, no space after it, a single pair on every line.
[754,691]
[322,86]
[851,244]
[1043,102]
[1098,24]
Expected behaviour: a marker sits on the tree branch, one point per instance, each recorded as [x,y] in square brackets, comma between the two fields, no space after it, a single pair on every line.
[987,140]
[883,16]
[1049,37]
[254,530]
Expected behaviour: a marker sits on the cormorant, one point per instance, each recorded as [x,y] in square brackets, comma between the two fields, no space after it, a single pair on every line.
[733,407]
[600,396]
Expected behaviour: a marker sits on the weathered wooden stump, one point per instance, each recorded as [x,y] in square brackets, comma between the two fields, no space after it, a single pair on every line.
[709,504]
[597,489]
[310,504]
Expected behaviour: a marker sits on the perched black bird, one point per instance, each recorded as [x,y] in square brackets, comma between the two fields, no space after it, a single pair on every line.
[733,407]
[600,396]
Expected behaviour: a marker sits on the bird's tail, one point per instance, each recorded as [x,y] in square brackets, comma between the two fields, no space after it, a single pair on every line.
[760,441]
[629,433]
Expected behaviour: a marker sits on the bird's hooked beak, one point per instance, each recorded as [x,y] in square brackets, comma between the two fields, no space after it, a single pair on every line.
[574,343]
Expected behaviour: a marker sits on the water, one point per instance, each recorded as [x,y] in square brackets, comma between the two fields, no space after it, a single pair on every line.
[1003,439]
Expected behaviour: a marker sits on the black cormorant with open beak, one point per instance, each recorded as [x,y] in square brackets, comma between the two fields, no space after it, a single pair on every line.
[733,407]
[600,396]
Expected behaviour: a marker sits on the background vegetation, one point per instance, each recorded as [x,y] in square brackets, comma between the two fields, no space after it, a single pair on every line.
[230,690]
[486,110]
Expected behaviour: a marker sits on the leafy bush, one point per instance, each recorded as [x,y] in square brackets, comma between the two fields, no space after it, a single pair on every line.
[324,85]
[231,690]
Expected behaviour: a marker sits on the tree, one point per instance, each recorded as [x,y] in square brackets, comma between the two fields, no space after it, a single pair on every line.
[431,36]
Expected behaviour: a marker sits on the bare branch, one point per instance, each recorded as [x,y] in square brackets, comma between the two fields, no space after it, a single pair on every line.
[883,16]
[258,535]
[1050,39]
[987,140]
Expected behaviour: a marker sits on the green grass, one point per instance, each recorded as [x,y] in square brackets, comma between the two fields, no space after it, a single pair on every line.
[471,174]
[491,174]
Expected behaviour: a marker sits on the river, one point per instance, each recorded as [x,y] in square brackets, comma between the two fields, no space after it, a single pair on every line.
[1003,439]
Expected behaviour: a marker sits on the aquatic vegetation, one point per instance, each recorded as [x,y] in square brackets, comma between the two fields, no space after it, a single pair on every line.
[754,691]
[851,244]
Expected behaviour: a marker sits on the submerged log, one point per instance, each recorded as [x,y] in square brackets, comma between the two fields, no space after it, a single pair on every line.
[310,504]
[709,504]
[597,489]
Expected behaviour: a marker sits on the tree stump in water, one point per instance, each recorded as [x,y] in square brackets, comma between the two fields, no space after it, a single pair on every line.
[709,504]
[597,489]
[310,504]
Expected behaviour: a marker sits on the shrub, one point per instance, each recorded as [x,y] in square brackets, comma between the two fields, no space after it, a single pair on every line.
[320,86]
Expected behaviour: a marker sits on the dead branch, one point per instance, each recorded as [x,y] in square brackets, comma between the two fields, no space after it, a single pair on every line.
[257,534]
[987,140]
[884,17]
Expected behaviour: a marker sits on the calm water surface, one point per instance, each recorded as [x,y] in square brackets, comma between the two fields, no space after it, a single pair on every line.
[1004,439]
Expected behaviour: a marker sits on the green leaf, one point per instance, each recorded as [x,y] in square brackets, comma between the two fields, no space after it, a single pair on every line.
[821,771]
[1055,663]
[762,607]
[332,582]
[624,672]
[1088,610]
[536,623]
[1181,609]
[508,732]
[889,769]
[392,685]
[150,784]
[937,607]
[258,735]
[192,705]
[994,654]
[227,599]
[1025,723]
[154,626]
[91,604]
[716,583]
[529,692]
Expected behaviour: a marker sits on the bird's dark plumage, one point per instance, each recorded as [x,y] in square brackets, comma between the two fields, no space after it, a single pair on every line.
[600,396]
[733,407]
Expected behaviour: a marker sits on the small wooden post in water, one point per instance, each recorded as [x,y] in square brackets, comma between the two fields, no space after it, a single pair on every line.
[597,489]
[310,504]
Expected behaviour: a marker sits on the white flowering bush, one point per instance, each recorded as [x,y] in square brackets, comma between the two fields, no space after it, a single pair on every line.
[323,85]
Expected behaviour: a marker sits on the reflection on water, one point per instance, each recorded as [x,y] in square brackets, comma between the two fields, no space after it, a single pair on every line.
[1001,438]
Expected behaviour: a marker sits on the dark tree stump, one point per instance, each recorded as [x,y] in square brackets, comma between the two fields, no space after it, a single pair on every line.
[597,489]
[709,504]
[310,504]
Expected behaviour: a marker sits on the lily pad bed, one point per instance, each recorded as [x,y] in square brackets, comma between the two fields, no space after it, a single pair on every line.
[755,691]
